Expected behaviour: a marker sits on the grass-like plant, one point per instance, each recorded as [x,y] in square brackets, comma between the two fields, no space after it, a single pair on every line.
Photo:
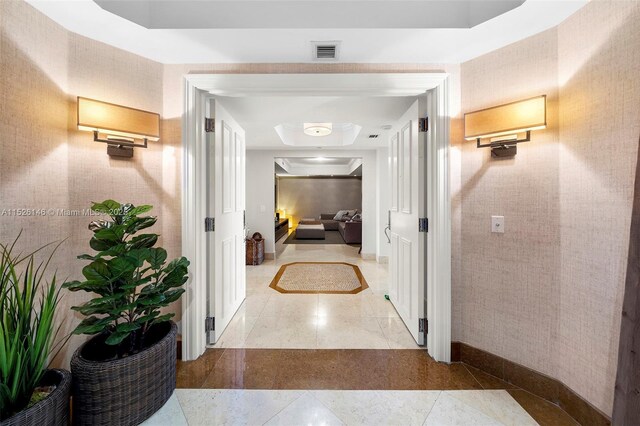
[27,326]
[132,279]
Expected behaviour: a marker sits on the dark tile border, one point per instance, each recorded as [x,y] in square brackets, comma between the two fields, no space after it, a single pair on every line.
[532,381]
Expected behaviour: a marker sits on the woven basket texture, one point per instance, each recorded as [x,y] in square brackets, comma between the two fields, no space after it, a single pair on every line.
[51,411]
[125,391]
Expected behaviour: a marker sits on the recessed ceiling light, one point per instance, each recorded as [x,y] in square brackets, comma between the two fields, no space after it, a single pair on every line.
[317,129]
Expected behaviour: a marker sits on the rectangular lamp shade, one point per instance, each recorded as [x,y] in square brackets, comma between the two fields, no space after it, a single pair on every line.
[507,119]
[117,120]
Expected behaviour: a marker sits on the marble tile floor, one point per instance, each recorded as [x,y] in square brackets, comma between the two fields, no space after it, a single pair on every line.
[331,407]
[269,319]
[351,369]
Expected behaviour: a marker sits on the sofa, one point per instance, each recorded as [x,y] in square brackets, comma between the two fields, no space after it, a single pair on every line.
[350,230]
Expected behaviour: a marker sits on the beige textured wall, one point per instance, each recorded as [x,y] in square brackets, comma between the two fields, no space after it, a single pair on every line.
[599,80]
[548,292]
[309,197]
[45,162]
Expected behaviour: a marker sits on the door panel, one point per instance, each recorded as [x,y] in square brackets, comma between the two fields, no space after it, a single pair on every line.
[227,284]
[408,256]
[394,172]
[407,160]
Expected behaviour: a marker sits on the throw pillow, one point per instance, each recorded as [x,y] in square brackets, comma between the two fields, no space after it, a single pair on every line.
[340,214]
[357,217]
[352,212]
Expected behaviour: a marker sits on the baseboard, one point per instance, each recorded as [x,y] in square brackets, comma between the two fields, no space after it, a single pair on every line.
[368,256]
[269,256]
[548,388]
[383,259]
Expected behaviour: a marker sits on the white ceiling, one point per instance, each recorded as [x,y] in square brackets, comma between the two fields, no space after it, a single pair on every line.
[185,14]
[314,161]
[318,166]
[260,115]
[293,45]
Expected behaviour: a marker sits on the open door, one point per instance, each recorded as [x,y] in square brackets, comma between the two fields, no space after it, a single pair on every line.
[226,219]
[408,207]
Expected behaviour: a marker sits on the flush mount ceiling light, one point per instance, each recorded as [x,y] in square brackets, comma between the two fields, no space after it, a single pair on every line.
[502,124]
[119,126]
[317,129]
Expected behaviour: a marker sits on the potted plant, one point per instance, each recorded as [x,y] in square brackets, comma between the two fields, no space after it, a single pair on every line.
[29,393]
[127,371]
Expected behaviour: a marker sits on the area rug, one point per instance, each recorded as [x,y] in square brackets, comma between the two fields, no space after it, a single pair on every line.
[319,277]
[330,237]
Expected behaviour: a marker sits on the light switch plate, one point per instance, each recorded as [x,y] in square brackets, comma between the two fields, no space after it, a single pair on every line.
[497,224]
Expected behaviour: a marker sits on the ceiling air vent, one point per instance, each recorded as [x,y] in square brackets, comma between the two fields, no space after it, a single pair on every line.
[373,136]
[325,50]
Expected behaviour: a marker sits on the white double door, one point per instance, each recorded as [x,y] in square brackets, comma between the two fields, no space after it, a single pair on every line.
[408,205]
[226,205]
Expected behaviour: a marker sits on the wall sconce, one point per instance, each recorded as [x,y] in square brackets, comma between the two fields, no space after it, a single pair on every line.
[502,124]
[121,126]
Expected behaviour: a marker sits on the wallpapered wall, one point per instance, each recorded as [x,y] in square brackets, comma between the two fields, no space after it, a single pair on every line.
[548,292]
[46,163]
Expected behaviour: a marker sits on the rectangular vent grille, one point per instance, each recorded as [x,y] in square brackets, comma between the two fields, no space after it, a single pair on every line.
[373,136]
[326,51]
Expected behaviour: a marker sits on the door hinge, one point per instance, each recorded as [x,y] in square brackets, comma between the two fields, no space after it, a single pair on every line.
[423,224]
[423,325]
[423,124]
[209,125]
[209,324]
[209,224]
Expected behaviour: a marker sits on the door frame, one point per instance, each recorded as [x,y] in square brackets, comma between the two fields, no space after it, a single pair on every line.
[198,88]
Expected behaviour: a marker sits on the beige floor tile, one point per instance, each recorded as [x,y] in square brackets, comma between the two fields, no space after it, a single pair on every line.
[350,333]
[283,333]
[397,334]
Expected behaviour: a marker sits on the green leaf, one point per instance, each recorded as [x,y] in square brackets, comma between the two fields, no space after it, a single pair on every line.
[143,241]
[135,211]
[127,327]
[136,224]
[153,299]
[163,318]
[109,207]
[99,224]
[113,234]
[138,256]
[116,338]
[86,257]
[100,245]
[121,266]
[146,318]
[157,257]
[97,270]
[92,325]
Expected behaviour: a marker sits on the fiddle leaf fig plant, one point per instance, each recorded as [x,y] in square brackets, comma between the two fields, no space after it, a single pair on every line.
[131,277]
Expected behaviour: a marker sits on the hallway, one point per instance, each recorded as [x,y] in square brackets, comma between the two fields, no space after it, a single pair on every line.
[269,319]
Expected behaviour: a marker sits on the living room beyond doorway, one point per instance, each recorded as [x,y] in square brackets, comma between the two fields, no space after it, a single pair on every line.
[320,198]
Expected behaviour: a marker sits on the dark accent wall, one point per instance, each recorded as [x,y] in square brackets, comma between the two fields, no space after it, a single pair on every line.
[310,196]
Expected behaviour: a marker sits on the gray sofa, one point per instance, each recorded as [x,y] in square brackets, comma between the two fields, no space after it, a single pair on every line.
[351,231]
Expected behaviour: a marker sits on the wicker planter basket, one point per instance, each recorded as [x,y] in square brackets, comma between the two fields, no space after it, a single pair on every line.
[255,250]
[51,411]
[125,391]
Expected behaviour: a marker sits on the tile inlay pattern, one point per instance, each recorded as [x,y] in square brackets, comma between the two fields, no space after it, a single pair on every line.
[319,277]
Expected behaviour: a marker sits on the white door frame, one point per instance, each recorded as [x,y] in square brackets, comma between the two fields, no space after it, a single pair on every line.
[199,87]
